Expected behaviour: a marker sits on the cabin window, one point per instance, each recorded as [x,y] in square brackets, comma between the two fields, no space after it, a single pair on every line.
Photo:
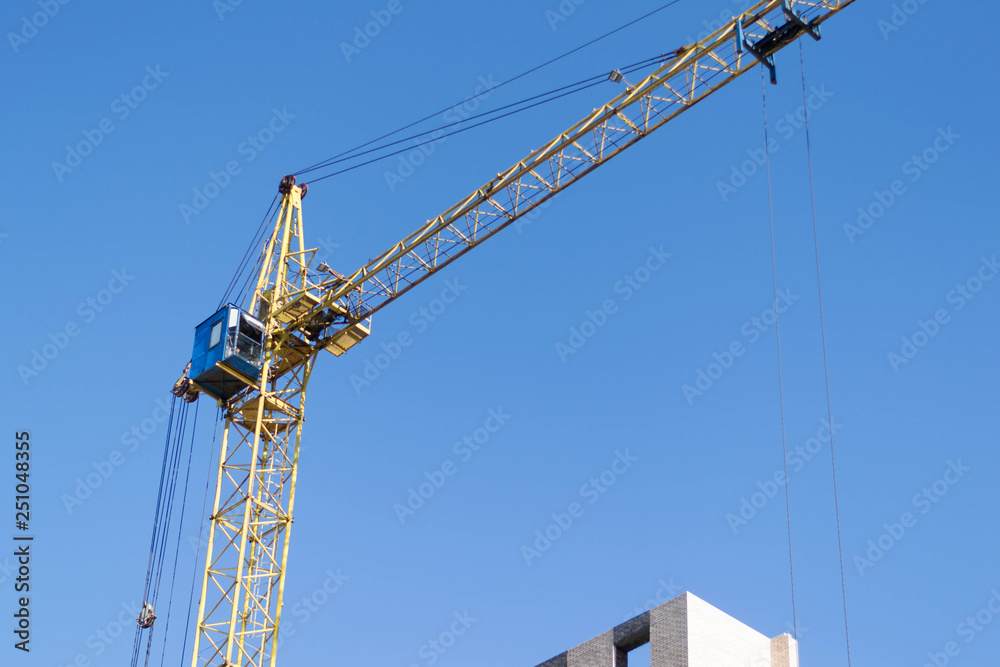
[247,342]
[250,331]
[216,336]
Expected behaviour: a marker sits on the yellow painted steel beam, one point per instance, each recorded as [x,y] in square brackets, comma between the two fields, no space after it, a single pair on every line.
[687,77]
[242,590]
[243,582]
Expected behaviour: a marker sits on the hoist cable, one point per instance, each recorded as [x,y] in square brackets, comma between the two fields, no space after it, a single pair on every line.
[347,155]
[244,293]
[353,153]
[248,254]
[169,504]
[826,365]
[261,229]
[496,87]
[243,290]
[241,295]
[707,79]
[598,78]
[454,132]
[180,532]
[156,520]
[159,497]
[777,331]
[169,507]
[427,141]
[201,528]
[549,97]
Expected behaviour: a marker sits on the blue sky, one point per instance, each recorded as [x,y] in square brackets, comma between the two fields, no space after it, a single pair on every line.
[105,261]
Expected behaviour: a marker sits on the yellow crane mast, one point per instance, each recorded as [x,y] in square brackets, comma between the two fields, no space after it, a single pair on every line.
[257,363]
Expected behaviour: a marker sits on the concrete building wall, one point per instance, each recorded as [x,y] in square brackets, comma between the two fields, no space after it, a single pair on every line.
[716,639]
[683,632]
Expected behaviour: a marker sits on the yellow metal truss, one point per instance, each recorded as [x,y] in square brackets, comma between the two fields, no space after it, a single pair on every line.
[688,76]
[243,584]
[242,592]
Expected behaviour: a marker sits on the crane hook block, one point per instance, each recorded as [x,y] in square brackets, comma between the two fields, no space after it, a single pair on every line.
[146,616]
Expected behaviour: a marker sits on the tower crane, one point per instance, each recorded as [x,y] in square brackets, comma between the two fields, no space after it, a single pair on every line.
[257,362]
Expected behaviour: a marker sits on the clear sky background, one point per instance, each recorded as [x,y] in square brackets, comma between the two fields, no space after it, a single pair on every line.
[923,86]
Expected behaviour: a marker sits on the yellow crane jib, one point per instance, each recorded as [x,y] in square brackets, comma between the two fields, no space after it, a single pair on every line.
[257,362]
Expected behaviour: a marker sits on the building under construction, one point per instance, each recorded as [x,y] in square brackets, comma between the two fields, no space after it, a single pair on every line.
[683,632]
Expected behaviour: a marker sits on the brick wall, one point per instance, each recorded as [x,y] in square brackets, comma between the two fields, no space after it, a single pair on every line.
[683,632]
